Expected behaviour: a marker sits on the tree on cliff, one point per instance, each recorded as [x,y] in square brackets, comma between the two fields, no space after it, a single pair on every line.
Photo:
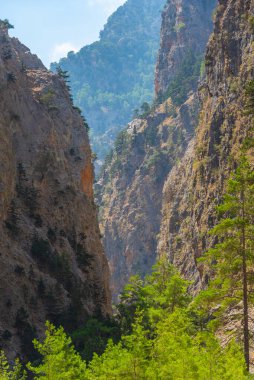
[4,24]
[232,258]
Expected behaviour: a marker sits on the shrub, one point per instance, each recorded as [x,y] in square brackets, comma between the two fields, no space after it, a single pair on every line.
[6,335]
[179,26]
[11,77]
[11,223]
[83,257]
[21,318]
[41,249]
[186,79]
[19,270]
[251,23]
[7,54]
[51,234]
[4,24]
[47,98]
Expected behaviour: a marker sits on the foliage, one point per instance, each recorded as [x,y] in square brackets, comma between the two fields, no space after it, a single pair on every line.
[94,336]
[161,340]
[202,69]
[114,75]
[60,360]
[179,26]
[5,24]
[11,77]
[26,333]
[7,53]
[48,97]
[232,258]
[145,109]
[121,143]
[156,158]
[41,249]
[186,79]
[12,220]
[249,107]
[182,352]
[156,295]
[251,22]
[164,341]
[62,74]
[119,153]
[8,373]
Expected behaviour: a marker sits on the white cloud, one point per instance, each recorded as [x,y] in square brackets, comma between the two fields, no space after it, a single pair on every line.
[61,50]
[109,6]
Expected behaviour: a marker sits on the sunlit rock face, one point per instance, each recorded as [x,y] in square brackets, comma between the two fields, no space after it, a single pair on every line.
[169,169]
[131,185]
[52,262]
[186,27]
[196,184]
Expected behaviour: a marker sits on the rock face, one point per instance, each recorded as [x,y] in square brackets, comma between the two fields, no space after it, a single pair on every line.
[196,184]
[51,257]
[115,75]
[132,182]
[132,185]
[186,26]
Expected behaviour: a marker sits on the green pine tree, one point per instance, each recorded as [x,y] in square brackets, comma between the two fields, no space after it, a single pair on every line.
[60,360]
[8,373]
[4,24]
[232,258]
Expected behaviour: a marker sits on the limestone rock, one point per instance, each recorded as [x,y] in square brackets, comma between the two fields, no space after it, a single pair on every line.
[197,183]
[132,186]
[186,26]
[132,182]
[52,261]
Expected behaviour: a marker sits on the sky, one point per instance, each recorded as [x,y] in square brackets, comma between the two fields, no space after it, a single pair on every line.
[52,28]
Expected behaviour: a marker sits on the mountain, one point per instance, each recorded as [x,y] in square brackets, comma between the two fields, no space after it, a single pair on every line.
[184,33]
[52,262]
[130,189]
[196,184]
[113,76]
[158,191]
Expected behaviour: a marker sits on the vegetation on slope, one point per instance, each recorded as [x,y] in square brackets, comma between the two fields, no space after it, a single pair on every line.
[165,333]
[114,75]
[232,258]
[163,337]
[186,80]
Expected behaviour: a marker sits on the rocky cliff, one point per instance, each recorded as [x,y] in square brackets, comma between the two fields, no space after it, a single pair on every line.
[133,177]
[132,185]
[51,257]
[186,26]
[196,184]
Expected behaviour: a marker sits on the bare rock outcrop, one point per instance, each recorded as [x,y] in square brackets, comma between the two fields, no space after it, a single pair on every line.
[197,183]
[52,261]
[133,177]
[186,27]
[132,185]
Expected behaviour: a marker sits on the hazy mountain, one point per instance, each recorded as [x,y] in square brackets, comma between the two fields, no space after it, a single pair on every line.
[115,75]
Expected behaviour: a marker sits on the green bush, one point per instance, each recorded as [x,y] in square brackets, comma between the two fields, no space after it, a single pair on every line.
[41,249]
[186,79]
[5,24]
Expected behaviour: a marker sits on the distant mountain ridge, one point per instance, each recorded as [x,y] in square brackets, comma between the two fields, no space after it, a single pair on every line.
[115,75]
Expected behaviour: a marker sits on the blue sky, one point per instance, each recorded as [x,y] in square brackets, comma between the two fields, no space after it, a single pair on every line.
[51,28]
